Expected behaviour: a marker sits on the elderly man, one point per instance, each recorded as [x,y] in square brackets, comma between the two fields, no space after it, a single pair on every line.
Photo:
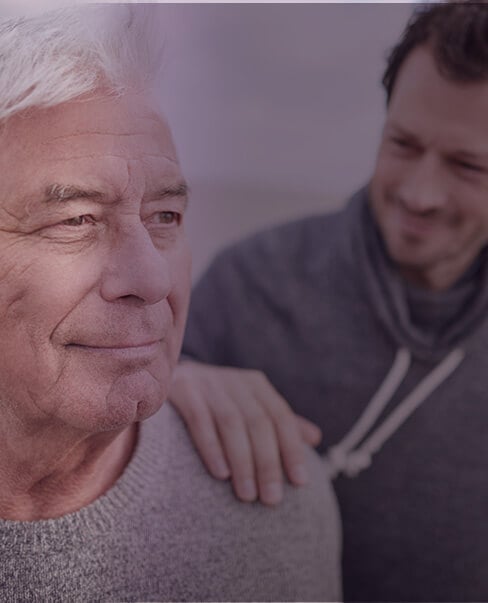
[372,322]
[94,287]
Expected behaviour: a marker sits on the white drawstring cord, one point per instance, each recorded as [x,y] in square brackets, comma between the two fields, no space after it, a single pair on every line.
[378,402]
[342,457]
[338,455]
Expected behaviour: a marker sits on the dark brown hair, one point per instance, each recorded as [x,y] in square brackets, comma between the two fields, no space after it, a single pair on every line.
[457,35]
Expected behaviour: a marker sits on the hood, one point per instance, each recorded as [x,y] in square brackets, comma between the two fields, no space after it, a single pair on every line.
[428,323]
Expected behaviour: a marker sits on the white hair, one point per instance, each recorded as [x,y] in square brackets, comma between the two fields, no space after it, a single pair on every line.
[60,55]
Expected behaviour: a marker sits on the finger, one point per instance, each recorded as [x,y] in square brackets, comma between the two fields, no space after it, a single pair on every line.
[292,448]
[287,429]
[235,441]
[266,454]
[311,433]
[262,437]
[203,433]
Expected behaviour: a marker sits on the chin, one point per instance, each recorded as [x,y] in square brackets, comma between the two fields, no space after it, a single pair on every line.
[410,261]
[135,397]
[147,408]
[100,406]
[416,267]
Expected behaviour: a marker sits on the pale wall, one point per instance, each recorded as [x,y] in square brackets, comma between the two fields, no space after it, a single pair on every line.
[276,109]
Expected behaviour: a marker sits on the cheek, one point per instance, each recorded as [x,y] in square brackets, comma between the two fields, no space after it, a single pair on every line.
[472,223]
[377,193]
[387,173]
[29,364]
[20,287]
[38,292]
[377,186]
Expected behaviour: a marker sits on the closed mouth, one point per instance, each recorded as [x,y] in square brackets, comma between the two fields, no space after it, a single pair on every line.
[117,346]
[121,351]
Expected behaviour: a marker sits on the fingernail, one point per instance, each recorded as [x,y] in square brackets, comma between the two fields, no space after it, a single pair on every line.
[299,475]
[247,490]
[272,493]
[220,469]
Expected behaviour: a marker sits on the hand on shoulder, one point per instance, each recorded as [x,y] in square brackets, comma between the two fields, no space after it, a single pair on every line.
[243,428]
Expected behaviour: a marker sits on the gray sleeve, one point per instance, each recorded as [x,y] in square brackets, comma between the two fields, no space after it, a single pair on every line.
[318,539]
[219,296]
[205,328]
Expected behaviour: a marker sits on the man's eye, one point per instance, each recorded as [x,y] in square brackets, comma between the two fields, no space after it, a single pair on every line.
[470,167]
[79,220]
[166,217]
[401,143]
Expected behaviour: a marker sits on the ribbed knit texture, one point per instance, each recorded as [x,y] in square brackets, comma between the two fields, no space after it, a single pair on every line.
[167,531]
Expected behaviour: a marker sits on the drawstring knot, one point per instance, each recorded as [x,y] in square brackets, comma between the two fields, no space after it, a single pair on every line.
[350,464]
[345,457]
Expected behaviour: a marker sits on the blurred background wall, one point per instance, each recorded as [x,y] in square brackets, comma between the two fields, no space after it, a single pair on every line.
[276,108]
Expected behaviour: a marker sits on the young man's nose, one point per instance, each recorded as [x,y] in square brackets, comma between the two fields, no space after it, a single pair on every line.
[424,188]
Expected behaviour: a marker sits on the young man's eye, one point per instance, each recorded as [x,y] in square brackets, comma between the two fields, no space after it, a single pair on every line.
[470,167]
[401,143]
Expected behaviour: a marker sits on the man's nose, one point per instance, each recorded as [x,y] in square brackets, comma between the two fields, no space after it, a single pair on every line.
[423,189]
[136,269]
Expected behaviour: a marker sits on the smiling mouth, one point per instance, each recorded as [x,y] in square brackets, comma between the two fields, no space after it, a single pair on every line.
[417,225]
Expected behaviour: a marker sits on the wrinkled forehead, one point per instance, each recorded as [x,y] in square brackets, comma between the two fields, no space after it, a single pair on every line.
[87,139]
[127,115]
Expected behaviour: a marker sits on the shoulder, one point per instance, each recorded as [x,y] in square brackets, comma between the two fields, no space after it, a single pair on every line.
[300,239]
[276,258]
[290,552]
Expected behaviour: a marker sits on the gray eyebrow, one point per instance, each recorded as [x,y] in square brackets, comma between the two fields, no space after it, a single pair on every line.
[181,189]
[68,192]
[176,190]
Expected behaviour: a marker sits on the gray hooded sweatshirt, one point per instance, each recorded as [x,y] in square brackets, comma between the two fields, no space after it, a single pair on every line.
[395,376]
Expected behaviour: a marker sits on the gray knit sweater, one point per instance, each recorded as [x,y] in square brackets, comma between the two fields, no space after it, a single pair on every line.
[168,531]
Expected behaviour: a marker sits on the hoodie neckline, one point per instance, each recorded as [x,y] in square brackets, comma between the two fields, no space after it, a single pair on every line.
[406,311]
